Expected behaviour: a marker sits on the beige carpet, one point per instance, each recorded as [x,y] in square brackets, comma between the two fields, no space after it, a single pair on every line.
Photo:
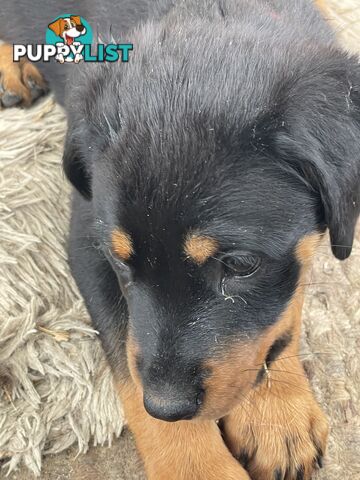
[55,388]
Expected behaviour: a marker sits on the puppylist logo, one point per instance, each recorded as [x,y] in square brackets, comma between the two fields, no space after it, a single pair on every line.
[69,39]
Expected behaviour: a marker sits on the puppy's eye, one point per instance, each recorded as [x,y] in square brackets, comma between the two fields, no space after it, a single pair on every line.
[241,265]
[122,270]
[66,27]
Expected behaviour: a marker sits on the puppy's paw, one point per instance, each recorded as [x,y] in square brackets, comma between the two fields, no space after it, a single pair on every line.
[21,83]
[278,434]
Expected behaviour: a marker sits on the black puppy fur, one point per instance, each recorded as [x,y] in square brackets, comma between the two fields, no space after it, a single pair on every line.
[239,120]
[247,135]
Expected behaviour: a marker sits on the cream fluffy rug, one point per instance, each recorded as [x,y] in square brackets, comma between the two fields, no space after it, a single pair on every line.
[55,388]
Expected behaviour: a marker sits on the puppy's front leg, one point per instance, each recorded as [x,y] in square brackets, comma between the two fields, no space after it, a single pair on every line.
[184,450]
[280,432]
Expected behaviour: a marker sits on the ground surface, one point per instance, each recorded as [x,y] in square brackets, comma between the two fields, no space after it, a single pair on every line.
[331,342]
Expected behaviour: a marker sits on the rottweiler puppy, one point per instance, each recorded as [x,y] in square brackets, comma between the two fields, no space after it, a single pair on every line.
[206,171]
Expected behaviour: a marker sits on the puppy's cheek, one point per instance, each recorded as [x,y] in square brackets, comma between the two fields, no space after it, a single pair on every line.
[289,320]
[241,366]
[306,249]
[231,376]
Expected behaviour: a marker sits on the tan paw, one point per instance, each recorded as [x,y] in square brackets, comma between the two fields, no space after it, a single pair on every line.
[280,432]
[21,83]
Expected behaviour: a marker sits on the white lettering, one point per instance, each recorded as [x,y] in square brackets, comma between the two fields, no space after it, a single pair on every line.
[19,52]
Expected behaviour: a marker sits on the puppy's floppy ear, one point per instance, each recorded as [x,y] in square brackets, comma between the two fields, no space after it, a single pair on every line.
[76,19]
[320,139]
[56,26]
[74,163]
[93,122]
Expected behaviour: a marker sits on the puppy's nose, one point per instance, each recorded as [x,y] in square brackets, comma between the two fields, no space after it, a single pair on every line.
[79,28]
[172,409]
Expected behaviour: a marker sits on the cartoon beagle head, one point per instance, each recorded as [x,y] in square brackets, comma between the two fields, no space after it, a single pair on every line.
[68,28]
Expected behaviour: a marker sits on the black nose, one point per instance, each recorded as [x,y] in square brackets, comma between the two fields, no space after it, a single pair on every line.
[79,28]
[170,409]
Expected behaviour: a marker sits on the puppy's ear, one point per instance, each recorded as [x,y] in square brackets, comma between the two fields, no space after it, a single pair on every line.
[56,26]
[93,123]
[320,139]
[74,164]
[76,19]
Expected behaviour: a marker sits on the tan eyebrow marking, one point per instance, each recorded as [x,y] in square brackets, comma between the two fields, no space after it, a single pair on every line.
[199,247]
[122,244]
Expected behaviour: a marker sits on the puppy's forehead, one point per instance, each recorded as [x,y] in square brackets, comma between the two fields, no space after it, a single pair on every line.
[201,182]
[256,210]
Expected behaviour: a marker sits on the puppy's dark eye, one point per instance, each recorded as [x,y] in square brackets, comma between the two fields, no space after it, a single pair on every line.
[241,265]
[122,270]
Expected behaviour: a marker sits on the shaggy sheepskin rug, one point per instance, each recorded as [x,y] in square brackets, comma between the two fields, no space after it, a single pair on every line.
[55,386]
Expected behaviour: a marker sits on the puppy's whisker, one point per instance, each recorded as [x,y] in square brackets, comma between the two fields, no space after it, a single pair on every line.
[218,260]
[259,393]
[248,401]
[293,385]
[275,370]
[272,393]
[242,406]
[294,356]
[86,247]
[336,245]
